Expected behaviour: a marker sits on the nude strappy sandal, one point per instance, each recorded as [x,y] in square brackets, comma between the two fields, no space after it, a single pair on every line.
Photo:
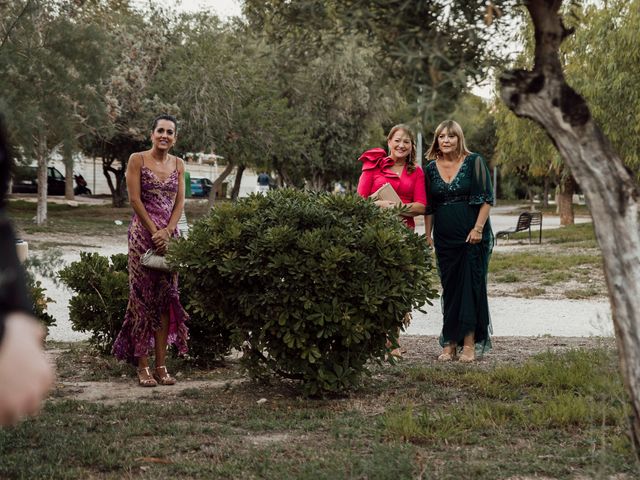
[162,376]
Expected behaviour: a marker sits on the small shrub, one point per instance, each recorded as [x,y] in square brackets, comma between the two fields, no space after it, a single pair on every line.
[46,265]
[309,285]
[40,300]
[102,292]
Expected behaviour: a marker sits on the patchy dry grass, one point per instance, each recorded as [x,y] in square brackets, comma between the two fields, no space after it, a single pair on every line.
[65,222]
[558,415]
[567,261]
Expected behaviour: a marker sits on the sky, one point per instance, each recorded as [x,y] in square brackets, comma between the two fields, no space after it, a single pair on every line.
[224,8]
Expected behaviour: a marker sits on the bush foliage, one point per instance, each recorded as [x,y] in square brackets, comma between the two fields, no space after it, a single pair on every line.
[101,294]
[311,286]
[46,265]
[38,295]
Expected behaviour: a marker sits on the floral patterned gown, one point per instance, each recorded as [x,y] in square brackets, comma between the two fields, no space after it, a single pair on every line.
[462,266]
[151,291]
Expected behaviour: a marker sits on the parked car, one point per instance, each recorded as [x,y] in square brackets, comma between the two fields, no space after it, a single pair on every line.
[25,180]
[201,186]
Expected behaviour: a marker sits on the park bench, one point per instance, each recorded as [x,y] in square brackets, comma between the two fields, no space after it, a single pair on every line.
[526,220]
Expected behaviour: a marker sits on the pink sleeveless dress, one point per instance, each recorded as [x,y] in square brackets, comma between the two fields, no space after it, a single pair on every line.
[150,291]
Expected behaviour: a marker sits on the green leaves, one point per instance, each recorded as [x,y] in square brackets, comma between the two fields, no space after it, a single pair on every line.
[101,294]
[311,284]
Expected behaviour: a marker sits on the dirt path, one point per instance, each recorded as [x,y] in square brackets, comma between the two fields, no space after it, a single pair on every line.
[420,350]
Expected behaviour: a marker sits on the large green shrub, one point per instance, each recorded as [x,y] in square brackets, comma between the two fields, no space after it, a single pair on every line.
[310,285]
[101,293]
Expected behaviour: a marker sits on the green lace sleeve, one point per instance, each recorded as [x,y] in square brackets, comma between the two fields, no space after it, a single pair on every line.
[481,188]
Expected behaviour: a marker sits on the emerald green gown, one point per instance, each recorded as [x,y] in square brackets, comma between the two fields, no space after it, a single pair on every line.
[462,266]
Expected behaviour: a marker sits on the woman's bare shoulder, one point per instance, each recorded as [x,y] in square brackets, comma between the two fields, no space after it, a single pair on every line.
[136,158]
[180,164]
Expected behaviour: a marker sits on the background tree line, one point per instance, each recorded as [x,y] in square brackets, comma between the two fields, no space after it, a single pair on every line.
[296,88]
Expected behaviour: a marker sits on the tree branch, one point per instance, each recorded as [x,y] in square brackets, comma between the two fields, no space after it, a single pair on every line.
[15,22]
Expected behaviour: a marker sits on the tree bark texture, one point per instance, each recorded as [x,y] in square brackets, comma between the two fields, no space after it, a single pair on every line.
[236,183]
[611,192]
[68,177]
[41,210]
[565,201]
[217,183]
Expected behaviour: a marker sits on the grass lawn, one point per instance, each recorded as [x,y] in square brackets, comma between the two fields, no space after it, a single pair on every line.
[553,415]
[80,221]
[567,265]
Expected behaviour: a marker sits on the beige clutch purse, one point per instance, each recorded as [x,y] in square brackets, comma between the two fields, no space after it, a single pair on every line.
[151,259]
[386,192]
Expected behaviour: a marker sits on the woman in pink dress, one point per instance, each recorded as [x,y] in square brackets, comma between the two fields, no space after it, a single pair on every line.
[399,169]
[154,317]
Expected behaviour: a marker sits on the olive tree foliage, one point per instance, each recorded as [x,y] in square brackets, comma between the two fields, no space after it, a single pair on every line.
[339,93]
[331,80]
[223,82]
[141,43]
[51,61]
[432,49]
[524,152]
[602,59]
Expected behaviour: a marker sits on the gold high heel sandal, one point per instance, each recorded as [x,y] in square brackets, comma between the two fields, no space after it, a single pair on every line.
[162,376]
[145,379]
[468,354]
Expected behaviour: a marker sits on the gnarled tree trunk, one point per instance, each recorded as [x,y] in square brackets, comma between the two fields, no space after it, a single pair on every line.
[612,194]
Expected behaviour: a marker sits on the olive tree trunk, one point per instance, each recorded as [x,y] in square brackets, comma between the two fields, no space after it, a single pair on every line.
[237,182]
[68,176]
[217,183]
[564,198]
[42,153]
[543,95]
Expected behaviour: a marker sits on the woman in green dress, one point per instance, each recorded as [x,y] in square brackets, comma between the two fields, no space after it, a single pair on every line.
[459,197]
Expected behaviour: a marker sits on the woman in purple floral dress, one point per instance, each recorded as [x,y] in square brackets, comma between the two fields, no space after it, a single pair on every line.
[155,317]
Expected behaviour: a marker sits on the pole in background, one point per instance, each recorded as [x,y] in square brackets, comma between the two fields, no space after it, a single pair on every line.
[94,176]
[419,149]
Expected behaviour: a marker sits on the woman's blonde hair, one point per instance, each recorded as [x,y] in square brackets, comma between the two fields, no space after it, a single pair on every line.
[451,126]
[411,160]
